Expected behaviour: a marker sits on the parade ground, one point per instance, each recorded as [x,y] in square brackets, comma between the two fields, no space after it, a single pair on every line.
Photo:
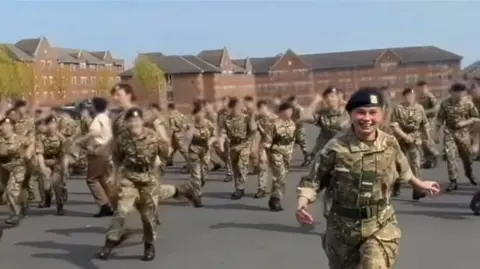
[438,232]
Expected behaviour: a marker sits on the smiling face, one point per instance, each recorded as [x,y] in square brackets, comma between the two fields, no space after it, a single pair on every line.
[365,120]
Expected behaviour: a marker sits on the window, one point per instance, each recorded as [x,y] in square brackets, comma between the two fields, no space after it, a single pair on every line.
[411,78]
[62,65]
[50,80]
[109,66]
[83,65]
[230,72]
[73,67]
[49,65]
[44,78]
[74,80]
[42,63]
[388,66]
[110,80]
[92,66]
[168,79]
[170,95]
[388,80]
[83,80]
[93,80]
[118,79]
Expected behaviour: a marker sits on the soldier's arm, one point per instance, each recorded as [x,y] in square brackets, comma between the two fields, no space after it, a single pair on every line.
[39,150]
[395,117]
[425,125]
[434,104]
[252,126]
[404,171]
[441,117]
[308,114]
[319,176]
[161,131]
[64,156]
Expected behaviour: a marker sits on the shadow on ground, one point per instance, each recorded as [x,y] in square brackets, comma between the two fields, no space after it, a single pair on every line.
[273,227]
[87,230]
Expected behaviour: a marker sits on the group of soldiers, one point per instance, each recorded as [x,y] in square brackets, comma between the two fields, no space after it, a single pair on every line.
[127,150]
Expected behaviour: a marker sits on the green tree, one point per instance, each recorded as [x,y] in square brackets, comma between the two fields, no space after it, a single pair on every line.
[150,76]
[17,79]
[105,80]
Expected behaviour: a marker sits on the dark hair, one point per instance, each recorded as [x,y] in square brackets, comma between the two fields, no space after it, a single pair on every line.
[99,104]
[19,104]
[458,87]
[197,108]
[126,87]
[155,106]
[7,120]
[328,91]
[421,83]
[248,98]
[171,106]
[291,98]
[284,106]
[133,112]
[261,103]
[199,102]
[233,102]
[50,119]
[407,91]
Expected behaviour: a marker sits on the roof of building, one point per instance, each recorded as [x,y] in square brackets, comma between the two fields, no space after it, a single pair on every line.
[25,49]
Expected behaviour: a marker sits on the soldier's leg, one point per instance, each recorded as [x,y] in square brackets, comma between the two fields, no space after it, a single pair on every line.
[240,171]
[380,250]
[228,158]
[279,171]
[47,188]
[253,158]
[465,154]
[147,207]
[13,195]
[116,233]
[58,186]
[195,172]
[179,191]
[450,154]
[97,177]
[319,143]
[181,149]
[301,140]
[263,172]
[204,161]
[414,155]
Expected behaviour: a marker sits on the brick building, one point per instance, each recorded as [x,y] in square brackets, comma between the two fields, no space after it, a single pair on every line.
[213,74]
[64,75]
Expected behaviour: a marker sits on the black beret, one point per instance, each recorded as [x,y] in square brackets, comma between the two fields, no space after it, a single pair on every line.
[365,97]
[421,83]
[407,91]
[197,108]
[7,120]
[328,91]
[458,87]
[134,112]
[233,102]
[19,104]
[284,106]
[50,119]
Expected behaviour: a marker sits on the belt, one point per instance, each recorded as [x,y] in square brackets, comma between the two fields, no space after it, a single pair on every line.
[366,212]
[139,169]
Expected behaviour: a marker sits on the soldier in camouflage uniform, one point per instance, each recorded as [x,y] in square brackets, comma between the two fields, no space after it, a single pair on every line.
[157,122]
[456,114]
[410,125]
[212,116]
[136,151]
[360,167]
[300,135]
[86,118]
[14,151]
[202,134]
[265,120]
[223,112]
[177,123]
[430,104]
[52,153]
[282,137]
[475,131]
[70,130]
[25,126]
[239,128]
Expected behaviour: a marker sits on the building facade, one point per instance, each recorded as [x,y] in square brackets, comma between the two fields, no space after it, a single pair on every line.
[62,75]
[212,74]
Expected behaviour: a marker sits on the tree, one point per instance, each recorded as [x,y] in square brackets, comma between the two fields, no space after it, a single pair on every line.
[17,78]
[105,80]
[62,82]
[151,77]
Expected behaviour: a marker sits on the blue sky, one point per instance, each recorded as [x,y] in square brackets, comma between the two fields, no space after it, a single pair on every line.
[246,28]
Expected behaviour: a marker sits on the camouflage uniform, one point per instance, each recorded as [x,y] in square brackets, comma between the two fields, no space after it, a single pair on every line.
[12,172]
[362,230]
[84,124]
[215,159]
[283,141]
[300,133]
[199,154]
[26,127]
[264,125]
[53,149]
[475,130]
[177,123]
[457,138]
[239,130]
[158,121]
[429,102]
[330,122]
[225,156]
[70,130]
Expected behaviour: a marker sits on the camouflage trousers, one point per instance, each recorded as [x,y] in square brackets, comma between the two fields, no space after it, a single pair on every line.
[279,165]
[198,169]
[13,189]
[457,141]
[301,138]
[143,197]
[177,145]
[413,152]
[347,248]
[263,153]
[55,181]
[428,147]
[475,134]
[225,157]
[320,142]
[239,157]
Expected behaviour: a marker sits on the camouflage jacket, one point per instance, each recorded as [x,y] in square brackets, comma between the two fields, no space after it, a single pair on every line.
[451,113]
[53,147]
[428,102]
[410,119]
[84,124]
[67,126]
[12,151]
[177,122]
[265,125]
[26,127]
[330,122]
[239,129]
[202,133]
[283,136]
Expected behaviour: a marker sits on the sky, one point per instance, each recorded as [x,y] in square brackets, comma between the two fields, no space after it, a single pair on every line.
[247,28]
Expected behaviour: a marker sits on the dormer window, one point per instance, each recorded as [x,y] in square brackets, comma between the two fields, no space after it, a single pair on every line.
[83,65]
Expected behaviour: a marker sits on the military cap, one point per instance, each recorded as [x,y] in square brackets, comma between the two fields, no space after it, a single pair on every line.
[284,106]
[7,120]
[328,91]
[458,87]
[407,91]
[197,107]
[134,112]
[365,97]
[19,104]
[50,119]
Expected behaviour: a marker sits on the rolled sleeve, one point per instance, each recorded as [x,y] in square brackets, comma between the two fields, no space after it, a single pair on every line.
[404,171]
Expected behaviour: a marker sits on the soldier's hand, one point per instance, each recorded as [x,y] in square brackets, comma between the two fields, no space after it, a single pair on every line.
[409,139]
[318,98]
[432,187]
[302,203]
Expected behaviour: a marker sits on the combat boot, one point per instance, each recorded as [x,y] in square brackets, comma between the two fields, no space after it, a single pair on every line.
[475,204]
[60,211]
[260,194]
[396,190]
[417,195]
[275,205]
[1,234]
[237,194]
[471,177]
[107,249]
[452,186]
[13,220]
[307,159]
[41,204]
[186,191]
[148,252]
[48,199]
[228,178]
[105,211]
[216,167]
